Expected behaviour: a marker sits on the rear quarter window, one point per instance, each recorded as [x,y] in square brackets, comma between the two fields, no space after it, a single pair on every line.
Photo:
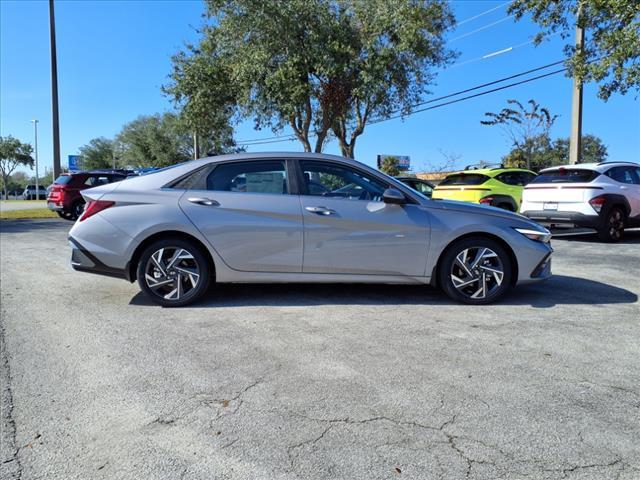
[464,179]
[567,175]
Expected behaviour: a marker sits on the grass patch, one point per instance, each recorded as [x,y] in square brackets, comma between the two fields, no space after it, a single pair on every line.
[24,214]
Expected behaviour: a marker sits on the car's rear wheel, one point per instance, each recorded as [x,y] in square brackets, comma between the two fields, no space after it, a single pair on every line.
[173,272]
[475,271]
[64,214]
[613,225]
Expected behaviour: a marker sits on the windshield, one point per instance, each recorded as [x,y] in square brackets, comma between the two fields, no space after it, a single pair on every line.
[62,180]
[566,175]
[465,179]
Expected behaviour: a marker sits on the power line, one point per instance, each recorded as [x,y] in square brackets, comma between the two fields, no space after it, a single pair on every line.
[467,20]
[259,141]
[504,87]
[477,30]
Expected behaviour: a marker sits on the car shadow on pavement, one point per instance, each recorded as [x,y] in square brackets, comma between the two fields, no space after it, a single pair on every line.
[22,226]
[559,290]
[630,237]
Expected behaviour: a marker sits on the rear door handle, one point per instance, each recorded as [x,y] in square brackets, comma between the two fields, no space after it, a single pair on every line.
[204,201]
[320,210]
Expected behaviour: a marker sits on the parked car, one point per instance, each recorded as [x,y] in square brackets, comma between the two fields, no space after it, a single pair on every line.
[179,229]
[65,198]
[604,196]
[29,193]
[498,187]
[425,187]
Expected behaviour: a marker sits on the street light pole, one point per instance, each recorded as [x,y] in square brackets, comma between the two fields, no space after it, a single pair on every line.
[35,133]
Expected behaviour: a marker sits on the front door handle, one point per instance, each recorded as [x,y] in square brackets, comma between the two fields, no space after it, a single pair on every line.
[204,201]
[320,210]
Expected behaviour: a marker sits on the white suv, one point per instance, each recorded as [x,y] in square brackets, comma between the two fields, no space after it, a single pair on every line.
[604,196]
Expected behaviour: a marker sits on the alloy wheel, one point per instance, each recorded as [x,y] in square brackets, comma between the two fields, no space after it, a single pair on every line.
[477,272]
[615,224]
[172,273]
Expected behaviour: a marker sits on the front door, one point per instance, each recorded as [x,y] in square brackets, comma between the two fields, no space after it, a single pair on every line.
[348,229]
[248,216]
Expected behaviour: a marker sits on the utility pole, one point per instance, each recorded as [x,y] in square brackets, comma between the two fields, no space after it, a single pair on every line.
[196,146]
[575,143]
[54,92]
[35,133]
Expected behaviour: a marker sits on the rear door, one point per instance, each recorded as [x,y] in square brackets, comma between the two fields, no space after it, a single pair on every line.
[246,212]
[627,180]
[348,229]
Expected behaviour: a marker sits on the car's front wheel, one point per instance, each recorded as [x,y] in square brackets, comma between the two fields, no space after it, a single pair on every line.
[475,271]
[173,272]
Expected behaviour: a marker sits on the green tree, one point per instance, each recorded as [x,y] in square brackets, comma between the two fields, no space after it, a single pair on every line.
[98,153]
[391,166]
[153,141]
[202,92]
[545,153]
[526,128]
[13,153]
[320,67]
[611,54]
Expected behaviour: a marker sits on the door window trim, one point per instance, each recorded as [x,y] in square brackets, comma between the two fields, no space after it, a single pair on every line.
[302,191]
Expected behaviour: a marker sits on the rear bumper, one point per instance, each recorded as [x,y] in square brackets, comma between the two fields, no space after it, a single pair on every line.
[84,261]
[51,205]
[552,217]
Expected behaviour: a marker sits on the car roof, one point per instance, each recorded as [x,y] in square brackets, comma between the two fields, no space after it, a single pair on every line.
[490,172]
[598,167]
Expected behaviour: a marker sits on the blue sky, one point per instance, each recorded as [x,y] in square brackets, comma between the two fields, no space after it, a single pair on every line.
[113,57]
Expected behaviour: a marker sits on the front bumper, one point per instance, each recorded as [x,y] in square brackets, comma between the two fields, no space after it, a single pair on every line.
[84,261]
[553,217]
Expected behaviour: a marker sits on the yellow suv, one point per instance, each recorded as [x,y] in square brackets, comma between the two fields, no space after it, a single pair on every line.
[499,187]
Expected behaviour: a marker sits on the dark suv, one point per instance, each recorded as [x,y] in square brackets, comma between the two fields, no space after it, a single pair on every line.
[65,198]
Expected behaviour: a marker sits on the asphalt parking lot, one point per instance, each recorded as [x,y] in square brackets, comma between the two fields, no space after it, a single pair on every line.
[318,382]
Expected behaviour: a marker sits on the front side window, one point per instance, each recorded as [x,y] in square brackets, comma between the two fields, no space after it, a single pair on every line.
[268,177]
[332,180]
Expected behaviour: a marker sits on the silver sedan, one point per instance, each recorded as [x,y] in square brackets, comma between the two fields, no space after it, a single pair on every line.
[298,217]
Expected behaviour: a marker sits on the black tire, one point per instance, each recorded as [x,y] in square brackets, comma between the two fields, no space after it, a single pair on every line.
[76,209]
[198,262]
[612,228]
[495,260]
[505,206]
[66,215]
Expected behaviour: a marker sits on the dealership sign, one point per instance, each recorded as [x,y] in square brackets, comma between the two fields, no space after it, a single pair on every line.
[404,161]
[74,163]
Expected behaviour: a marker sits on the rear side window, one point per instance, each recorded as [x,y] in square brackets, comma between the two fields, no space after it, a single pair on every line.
[624,175]
[465,179]
[268,177]
[567,175]
[63,180]
[515,178]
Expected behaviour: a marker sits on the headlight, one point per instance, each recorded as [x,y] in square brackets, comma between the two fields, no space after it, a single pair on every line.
[537,235]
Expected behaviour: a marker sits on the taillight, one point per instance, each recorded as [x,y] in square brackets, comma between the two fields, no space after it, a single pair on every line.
[597,203]
[486,200]
[95,206]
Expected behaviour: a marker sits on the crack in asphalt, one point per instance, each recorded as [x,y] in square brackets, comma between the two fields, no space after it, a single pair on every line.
[203,400]
[8,394]
[450,440]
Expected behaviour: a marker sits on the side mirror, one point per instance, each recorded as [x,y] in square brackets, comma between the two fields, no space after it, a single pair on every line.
[393,196]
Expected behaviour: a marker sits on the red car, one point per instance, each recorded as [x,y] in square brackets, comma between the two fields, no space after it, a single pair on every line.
[65,198]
